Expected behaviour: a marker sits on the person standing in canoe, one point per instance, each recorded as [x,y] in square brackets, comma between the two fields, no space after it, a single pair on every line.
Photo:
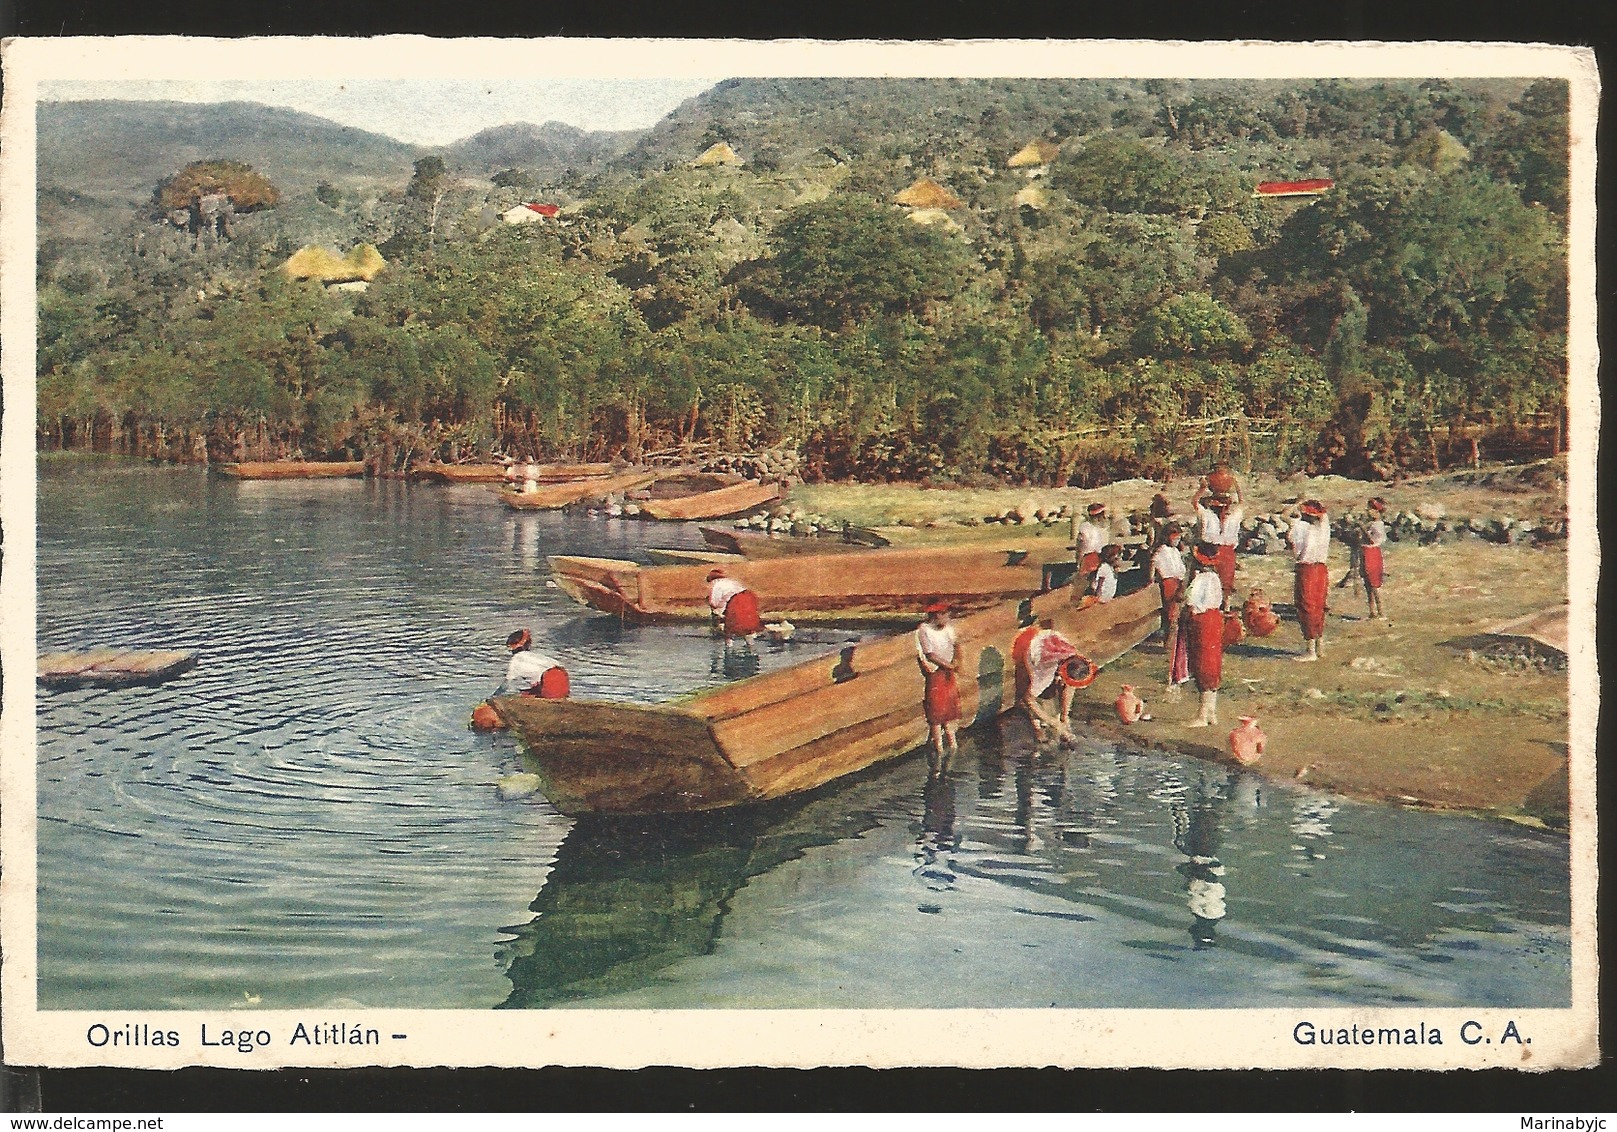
[1220,523]
[1090,538]
[937,651]
[1168,572]
[1310,545]
[733,606]
[1373,539]
[533,673]
[1204,628]
[1104,587]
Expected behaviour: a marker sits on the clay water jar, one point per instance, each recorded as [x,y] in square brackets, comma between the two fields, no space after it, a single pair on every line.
[1221,479]
[1129,706]
[1246,741]
[1258,616]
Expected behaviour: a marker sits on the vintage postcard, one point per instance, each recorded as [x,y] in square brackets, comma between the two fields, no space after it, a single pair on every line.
[720,553]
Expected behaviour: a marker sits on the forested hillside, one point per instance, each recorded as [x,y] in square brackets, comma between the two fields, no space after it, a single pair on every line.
[1080,284]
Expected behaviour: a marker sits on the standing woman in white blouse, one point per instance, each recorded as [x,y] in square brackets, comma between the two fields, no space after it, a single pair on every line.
[1310,545]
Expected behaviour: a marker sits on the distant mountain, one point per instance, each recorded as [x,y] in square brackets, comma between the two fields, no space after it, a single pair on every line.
[544,152]
[122,149]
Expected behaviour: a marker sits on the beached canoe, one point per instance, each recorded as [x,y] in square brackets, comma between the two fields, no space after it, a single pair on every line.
[495,473]
[671,556]
[551,496]
[293,469]
[756,544]
[718,503]
[883,585]
[792,730]
[113,668]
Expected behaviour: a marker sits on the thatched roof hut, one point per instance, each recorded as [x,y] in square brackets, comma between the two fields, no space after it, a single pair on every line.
[1033,154]
[363,263]
[934,216]
[719,153]
[927,193]
[1031,197]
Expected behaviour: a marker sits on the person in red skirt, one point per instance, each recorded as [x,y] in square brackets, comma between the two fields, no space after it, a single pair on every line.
[1204,628]
[1220,523]
[1310,545]
[1370,556]
[1090,539]
[937,651]
[533,673]
[1027,627]
[1168,572]
[733,606]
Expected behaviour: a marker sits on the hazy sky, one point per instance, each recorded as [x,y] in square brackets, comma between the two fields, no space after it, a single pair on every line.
[424,111]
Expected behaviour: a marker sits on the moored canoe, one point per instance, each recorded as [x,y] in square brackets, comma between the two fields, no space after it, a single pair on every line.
[883,585]
[716,504]
[552,496]
[293,469]
[794,729]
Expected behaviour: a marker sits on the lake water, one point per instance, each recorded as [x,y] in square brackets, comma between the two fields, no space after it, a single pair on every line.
[305,820]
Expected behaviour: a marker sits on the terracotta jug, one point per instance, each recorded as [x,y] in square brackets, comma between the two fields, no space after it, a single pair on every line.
[1233,630]
[1258,616]
[1246,741]
[485,718]
[1129,706]
[1221,479]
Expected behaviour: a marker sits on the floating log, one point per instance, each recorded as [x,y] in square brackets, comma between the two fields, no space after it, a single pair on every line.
[557,495]
[794,729]
[883,585]
[293,469]
[113,668]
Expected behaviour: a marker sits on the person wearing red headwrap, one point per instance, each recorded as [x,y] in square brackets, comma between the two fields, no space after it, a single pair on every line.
[533,673]
[1204,627]
[1168,571]
[734,607]
[1220,525]
[1310,545]
[1091,536]
[1370,557]
[937,651]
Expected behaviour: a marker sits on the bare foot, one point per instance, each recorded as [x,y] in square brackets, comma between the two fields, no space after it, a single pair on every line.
[1199,723]
[1306,657]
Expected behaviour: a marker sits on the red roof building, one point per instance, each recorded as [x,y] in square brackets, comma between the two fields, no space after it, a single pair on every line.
[1294,188]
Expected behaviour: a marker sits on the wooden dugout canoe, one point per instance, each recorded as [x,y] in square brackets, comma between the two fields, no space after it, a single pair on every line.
[756,544]
[552,496]
[793,730]
[293,469]
[883,585]
[495,473]
[716,504]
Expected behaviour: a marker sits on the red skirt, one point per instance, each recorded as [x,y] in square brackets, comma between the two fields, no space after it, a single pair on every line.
[1206,649]
[1226,568]
[741,615]
[1172,590]
[1089,563]
[553,685]
[1023,674]
[942,699]
[1370,564]
[1309,592]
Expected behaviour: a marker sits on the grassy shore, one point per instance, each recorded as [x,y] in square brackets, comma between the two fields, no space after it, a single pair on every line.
[1391,712]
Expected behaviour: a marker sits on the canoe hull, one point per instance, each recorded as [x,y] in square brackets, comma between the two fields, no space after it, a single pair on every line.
[788,731]
[495,473]
[717,504]
[873,588]
[293,470]
[555,496]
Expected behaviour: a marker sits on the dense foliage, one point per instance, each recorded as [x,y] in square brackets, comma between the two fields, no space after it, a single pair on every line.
[1141,310]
